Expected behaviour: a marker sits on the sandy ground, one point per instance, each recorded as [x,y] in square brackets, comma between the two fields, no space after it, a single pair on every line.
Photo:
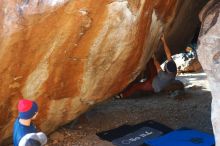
[191,109]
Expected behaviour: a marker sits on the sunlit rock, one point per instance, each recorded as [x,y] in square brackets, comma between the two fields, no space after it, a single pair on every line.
[209,56]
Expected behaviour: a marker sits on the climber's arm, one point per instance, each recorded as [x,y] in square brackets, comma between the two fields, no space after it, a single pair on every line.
[157,64]
[166,48]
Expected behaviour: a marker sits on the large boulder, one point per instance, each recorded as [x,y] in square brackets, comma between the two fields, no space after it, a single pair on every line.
[68,55]
[209,56]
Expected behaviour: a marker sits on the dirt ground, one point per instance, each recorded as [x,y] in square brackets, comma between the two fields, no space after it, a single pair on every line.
[190,109]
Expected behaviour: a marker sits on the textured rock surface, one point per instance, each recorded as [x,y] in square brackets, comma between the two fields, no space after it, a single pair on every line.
[68,55]
[209,56]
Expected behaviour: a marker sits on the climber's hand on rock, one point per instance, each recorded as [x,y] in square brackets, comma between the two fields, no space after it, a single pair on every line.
[162,37]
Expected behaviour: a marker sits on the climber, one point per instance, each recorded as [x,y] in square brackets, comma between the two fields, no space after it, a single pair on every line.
[157,79]
[23,126]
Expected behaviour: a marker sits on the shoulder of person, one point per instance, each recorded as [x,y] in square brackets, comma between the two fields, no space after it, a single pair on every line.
[40,137]
[162,72]
[25,138]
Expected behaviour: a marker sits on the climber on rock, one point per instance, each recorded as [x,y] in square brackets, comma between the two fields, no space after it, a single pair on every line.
[24,131]
[157,79]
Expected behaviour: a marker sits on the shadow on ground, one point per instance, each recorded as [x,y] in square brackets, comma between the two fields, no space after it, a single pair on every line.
[191,109]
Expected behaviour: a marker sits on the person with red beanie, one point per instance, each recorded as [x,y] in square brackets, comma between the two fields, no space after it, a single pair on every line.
[23,125]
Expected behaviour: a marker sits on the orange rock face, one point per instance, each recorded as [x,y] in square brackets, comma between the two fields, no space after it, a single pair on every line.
[68,55]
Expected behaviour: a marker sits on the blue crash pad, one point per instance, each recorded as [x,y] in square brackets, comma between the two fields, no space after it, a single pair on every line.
[183,138]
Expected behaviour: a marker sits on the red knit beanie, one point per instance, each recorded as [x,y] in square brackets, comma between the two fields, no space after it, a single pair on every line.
[27,108]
